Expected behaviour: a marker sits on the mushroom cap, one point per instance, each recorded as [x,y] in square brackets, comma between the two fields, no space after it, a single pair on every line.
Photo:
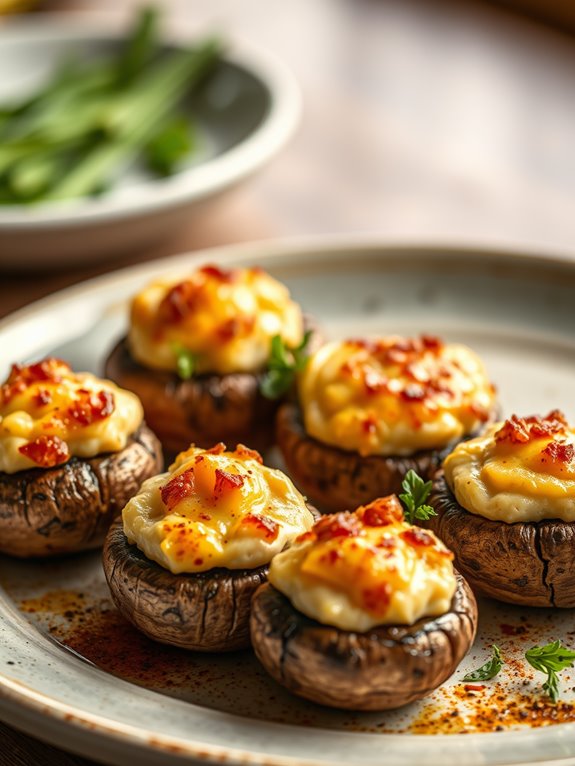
[527,563]
[384,668]
[207,612]
[202,410]
[336,479]
[68,508]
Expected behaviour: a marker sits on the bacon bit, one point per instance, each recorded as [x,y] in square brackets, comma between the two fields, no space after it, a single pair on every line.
[42,397]
[245,453]
[222,275]
[381,512]
[413,393]
[225,482]
[480,412]
[369,425]
[417,537]
[46,451]
[217,449]
[22,377]
[432,343]
[199,459]
[331,556]
[180,300]
[263,526]
[516,430]
[232,328]
[559,452]
[376,600]
[474,687]
[337,525]
[90,408]
[177,489]
[303,538]
[374,382]
[386,542]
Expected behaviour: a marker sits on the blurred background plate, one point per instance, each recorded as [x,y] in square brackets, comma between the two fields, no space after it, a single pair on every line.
[245,114]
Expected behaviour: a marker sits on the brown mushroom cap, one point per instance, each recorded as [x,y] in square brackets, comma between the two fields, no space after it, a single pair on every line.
[207,612]
[336,479]
[48,511]
[528,563]
[203,410]
[384,668]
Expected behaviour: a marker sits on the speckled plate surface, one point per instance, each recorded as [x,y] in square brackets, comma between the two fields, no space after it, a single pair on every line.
[74,673]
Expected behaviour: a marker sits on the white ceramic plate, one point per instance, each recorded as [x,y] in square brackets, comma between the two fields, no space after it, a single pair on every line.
[245,115]
[516,310]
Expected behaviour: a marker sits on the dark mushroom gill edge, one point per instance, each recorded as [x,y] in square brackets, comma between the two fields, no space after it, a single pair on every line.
[527,563]
[384,668]
[68,508]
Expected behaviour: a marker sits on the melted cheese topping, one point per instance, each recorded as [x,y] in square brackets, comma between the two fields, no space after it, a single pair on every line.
[224,319]
[49,413]
[358,570]
[394,396]
[519,470]
[216,509]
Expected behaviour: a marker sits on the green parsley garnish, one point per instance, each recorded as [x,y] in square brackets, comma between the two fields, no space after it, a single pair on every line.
[550,659]
[283,365]
[489,670]
[416,491]
[186,361]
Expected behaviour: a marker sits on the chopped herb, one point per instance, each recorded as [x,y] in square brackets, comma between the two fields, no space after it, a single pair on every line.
[550,659]
[489,670]
[416,491]
[186,361]
[283,365]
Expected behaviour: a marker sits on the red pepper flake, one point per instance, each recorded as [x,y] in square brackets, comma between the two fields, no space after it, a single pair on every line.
[417,537]
[198,562]
[337,525]
[245,453]
[177,489]
[474,687]
[559,452]
[516,430]
[512,630]
[381,512]
[262,526]
[90,408]
[376,599]
[217,449]
[225,481]
[46,451]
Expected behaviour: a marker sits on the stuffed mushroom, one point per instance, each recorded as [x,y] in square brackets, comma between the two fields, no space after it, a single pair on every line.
[371,410]
[195,544]
[73,450]
[364,612]
[505,505]
[197,350]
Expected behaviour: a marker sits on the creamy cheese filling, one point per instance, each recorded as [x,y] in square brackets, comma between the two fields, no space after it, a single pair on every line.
[224,321]
[49,413]
[216,508]
[359,570]
[394,396]
[520,470]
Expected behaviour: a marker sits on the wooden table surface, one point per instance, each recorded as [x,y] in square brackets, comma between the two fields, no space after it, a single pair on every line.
[424,120]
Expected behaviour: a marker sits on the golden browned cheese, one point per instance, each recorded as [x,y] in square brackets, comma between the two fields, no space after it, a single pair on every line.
[519,470]
[48,413]
[225,319]
[216,508]
[394,396]
[358,570]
